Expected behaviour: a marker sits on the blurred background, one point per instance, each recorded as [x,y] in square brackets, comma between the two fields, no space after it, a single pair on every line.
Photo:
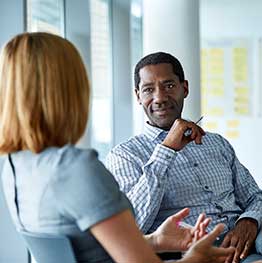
[219,43]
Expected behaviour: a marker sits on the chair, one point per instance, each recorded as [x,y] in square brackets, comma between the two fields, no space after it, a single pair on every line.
[47,248]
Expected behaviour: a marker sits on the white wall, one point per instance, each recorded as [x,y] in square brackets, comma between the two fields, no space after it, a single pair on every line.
[240,19]
[230,18]
[173,26]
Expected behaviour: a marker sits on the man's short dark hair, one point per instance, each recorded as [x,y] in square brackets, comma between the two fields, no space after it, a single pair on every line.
[158,58]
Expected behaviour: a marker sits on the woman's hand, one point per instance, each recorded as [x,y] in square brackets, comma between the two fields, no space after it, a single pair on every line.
[203,251]
[171,237]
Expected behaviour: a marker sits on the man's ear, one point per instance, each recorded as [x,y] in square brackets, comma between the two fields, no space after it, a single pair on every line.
[138,96]
[186,89]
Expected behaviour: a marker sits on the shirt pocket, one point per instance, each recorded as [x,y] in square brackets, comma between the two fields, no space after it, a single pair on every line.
[216,171]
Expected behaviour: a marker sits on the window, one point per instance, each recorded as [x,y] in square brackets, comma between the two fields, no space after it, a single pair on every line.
[101,76]
[136,55]
[45,15]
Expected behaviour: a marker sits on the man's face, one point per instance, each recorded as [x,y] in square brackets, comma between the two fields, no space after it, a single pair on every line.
[161,94]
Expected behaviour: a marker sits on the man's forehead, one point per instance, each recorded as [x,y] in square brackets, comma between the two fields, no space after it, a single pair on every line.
[156,71]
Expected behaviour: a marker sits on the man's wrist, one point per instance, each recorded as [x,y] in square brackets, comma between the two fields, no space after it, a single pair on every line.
[247,219]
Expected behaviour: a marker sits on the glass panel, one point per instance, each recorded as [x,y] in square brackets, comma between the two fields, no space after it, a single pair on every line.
[101,53]
[45,16]
[136,55]
[136,31]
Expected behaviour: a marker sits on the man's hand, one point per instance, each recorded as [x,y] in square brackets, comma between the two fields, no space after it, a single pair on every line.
[171,237]
[203,251]
[242,237]
[176,138]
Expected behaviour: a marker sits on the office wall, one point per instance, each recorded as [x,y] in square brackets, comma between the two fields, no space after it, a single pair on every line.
[231,21]
[173,26]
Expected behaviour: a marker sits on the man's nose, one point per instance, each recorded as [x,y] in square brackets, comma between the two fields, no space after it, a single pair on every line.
[160,95]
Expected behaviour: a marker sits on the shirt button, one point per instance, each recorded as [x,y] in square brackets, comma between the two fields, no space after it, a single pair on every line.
[206,187]
[218,206]
[168,156]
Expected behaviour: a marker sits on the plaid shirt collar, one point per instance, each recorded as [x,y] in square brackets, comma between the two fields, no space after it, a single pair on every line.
[154,133]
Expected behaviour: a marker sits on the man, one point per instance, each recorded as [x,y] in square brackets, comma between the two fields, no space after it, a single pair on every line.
[175,164]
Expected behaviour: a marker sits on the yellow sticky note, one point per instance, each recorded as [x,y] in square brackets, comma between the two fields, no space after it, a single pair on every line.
[216,111]
[232,134]
[210,126]
[216,52]
[216,69]
[242,110]
[241,91]
[216,92]
[240,51]
[233,124]
[238,100]
[204,52]
[216,82]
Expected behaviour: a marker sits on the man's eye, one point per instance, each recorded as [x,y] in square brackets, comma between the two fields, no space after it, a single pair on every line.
[170,86]
[147,90]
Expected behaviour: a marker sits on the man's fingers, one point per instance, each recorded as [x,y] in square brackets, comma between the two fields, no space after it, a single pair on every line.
[198,138]
[201,131]
[238,252]
[223,252]
[235,242]
[222,259]
[246,250]
[226,242]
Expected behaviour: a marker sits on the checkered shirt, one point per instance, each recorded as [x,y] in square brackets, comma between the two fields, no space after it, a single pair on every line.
[206,178]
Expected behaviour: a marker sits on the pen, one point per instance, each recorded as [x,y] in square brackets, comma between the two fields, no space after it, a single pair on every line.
[188,226]
[189,131]
[199,120]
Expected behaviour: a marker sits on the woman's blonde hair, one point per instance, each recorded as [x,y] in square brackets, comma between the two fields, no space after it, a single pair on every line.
[44,93]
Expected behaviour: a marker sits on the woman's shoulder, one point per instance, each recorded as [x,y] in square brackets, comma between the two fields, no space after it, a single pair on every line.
[53,158]
[57,160]
[70,155]
[82,163]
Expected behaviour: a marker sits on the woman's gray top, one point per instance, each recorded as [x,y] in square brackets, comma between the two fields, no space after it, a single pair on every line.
[66,191]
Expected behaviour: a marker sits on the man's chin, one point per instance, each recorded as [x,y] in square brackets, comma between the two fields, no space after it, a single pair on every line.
[162,125]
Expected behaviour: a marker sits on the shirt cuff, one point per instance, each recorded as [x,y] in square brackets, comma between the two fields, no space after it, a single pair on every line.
[163,155]
[251,214]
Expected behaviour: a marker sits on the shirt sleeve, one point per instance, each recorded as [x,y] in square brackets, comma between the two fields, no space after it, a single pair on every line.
[86,191]
[143,183]
[247,193]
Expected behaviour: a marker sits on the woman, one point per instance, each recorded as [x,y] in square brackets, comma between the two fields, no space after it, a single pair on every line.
[53,187]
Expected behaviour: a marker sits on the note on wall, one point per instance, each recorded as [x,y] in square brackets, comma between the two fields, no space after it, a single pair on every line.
[226,77]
